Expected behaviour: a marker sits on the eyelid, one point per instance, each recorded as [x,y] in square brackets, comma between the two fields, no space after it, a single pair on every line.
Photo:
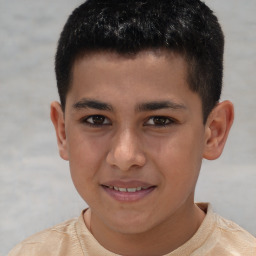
[170,121]
[85,121]
[149,122]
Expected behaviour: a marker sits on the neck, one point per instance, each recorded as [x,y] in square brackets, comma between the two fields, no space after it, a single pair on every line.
[160,240]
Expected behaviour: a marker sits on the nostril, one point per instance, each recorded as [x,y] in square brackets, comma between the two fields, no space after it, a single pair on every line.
[125,160]
[125,152]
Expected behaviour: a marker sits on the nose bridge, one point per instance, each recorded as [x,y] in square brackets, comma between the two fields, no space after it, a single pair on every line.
[126,140]
[126,149]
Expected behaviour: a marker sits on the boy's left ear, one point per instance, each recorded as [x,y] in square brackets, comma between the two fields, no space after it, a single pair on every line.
[217,129]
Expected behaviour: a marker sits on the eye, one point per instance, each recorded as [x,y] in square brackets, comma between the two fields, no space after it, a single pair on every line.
[96,120]
[159,121]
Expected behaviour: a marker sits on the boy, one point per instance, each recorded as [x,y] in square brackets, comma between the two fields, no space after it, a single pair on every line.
[139,84]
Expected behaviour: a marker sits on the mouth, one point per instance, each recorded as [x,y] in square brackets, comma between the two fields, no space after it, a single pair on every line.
[125,193]
[128,190]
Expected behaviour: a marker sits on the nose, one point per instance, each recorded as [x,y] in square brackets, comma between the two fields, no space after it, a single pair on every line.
[126,152]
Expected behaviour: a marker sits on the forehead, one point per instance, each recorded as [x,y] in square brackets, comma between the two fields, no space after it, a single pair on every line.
[148,57]
[146,76]
[156,66]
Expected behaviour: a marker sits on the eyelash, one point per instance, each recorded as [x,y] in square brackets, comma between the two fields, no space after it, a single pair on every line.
[85,121]
[169,121]
[166,121]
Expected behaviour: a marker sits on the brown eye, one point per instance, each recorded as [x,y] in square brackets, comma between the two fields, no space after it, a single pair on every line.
[159,121]
[97,120]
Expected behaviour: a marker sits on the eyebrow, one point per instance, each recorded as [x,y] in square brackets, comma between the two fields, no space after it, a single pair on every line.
[147,106]
[157,105]
[90,103]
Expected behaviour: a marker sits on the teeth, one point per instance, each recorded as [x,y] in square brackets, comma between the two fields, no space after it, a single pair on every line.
[129,190]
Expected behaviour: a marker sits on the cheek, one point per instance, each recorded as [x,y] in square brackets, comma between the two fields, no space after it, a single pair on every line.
[178,155]
[86,157]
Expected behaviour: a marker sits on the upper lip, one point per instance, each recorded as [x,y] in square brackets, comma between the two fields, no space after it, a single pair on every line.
[127,184]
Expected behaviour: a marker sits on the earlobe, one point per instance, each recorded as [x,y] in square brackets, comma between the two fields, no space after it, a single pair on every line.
[217,128]
[57,117]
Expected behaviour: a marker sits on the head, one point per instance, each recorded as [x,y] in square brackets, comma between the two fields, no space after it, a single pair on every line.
[139,83]
[186,27]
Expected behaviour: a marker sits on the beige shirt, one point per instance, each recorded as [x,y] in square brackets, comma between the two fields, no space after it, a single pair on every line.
[215,237]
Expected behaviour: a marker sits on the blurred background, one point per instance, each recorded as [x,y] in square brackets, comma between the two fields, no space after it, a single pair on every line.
[36,190]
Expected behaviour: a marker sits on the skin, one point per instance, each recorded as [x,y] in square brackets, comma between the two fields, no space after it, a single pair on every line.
[130,147]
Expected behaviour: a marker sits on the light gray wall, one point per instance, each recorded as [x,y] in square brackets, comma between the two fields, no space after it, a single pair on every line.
[36,190]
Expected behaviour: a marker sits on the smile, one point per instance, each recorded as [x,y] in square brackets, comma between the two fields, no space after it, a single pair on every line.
[128,190]
[128,193]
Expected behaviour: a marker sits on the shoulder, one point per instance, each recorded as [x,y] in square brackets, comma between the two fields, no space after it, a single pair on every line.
[48,241]
[233,230]
[232,237]
[219,236]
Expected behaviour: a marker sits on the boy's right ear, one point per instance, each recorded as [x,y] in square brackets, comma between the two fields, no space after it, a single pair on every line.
[58,120]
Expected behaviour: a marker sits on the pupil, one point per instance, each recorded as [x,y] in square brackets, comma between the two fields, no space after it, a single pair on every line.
[98,119]
[160,120]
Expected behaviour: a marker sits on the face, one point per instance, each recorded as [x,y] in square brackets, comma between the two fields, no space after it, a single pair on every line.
[134,138]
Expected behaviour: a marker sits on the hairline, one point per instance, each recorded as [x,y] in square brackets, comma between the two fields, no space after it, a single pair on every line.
[160,51]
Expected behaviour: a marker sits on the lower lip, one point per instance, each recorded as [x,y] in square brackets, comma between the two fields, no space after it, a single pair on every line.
[128,196]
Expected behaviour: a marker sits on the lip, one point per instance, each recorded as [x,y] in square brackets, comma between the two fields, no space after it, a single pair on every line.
[127,184]
[128,196]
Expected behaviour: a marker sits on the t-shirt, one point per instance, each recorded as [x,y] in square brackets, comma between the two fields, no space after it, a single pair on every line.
[215,237]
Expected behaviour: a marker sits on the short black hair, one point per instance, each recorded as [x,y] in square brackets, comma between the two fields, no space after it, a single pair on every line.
[127,27]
